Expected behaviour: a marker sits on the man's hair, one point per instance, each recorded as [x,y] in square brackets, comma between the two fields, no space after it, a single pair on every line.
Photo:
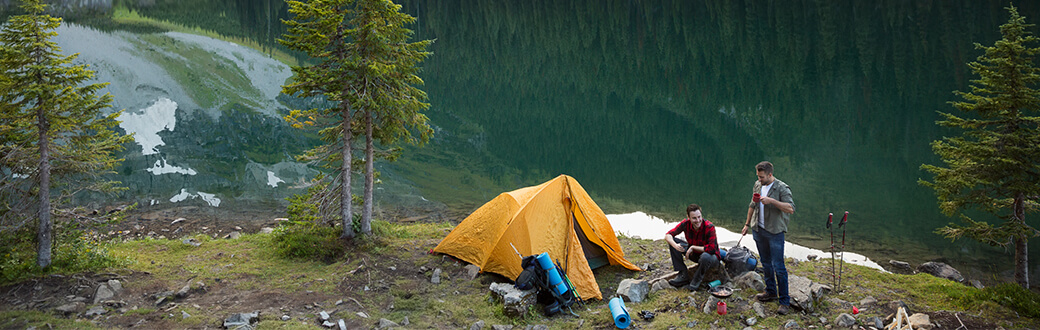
[764,166]
[691,208]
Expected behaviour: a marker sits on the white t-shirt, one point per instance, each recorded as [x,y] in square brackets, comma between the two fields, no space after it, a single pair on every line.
[762,207]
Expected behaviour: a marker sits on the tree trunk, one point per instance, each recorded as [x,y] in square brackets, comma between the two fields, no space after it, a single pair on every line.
[43,232]
[345,201]
[1021,246]
[366,210]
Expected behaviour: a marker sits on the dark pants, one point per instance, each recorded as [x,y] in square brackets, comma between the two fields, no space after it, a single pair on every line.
[771,249]
[705,260]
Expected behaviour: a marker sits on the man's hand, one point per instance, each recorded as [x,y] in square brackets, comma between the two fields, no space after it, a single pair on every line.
[744,231]
[689,251]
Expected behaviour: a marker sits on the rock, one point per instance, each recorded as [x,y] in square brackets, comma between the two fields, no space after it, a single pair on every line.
[405,321]
[185,315]
[845,320]
[791,324]
[436,278]
[266,230]
[472,271]
[691,324]
[941,270]
[710,305]
[286,318]
[323,316]
[632,290]
[537,327]
[342,325]
[977,284]
[328,324]
[97,310]
[515,302]
[241,321]
[183,292]
[501,327]
[162,301]
[823,320]
[384,323]
[750,280]
[178,220]
[805,292]
[750,321]
[479,325]
[362,315]
[895,305]
[900,267]
[867,302]
[920,321]
[812,257]
[191,241]
[875,322]
[759,309]
[659,285]
[71,308]
[115,286]
[233,235]
[103,292]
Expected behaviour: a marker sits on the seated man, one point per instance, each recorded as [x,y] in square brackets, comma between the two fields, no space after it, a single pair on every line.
[700,245]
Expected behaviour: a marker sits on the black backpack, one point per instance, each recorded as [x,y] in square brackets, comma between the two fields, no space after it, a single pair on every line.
[737,260]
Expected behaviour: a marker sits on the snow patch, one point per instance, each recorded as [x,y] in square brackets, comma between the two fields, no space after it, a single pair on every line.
[644,226]
[210,199]
[162,167]
[273,180]
[146,126]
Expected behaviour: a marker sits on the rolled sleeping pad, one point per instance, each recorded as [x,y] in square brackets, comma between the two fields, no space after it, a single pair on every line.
[555,281]
[619,312]
[750,261]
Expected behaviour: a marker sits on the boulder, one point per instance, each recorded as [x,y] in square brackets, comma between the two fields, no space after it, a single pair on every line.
[116,286]
[804,292]
[342,325]
[875,321]
[103,292]
[977,284]
[241,321]
[845,320]
[920,321]
[710,305]
[436,278]
[384,323]
[659,285]
[479,325]
[183,292]
[867,302]
[323,315]
[472,271]
[900,267]
[633,290]
[791,324]
[502,327]
[759,309]
[515,302]
[941,270]
[750,280]
[70,308]
[97,310]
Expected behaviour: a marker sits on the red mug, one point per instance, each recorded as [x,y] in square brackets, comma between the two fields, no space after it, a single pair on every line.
[756,198]
[721,308]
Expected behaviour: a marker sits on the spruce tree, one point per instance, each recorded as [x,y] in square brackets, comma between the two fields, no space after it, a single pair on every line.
[995,165]
[56,140]
[367,67]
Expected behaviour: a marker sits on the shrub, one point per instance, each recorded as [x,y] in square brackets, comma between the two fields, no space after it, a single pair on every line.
[75,250]
[308,241]
[1013,296]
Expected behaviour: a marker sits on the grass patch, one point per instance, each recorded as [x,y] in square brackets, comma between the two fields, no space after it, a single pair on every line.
[40,320]
[74,251]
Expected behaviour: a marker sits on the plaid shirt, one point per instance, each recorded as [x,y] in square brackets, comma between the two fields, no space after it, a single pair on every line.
[704,237]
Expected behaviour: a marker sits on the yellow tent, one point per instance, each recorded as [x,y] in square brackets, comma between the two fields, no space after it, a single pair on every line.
[557,217]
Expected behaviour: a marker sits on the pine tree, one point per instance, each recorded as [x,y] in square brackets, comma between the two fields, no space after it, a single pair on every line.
[54,133]
[995,165]
[367,67]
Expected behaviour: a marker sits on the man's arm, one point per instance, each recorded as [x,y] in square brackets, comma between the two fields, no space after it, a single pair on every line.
[784,207]
[671,241]
[747,222]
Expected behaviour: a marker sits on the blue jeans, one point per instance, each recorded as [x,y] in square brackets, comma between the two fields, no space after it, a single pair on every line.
[771,250]
[705,260]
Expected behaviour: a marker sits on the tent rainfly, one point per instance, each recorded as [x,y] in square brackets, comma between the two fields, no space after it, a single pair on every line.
[557,217]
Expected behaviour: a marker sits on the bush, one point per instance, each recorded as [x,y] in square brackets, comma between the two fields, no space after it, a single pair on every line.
[308,241]
[1013,296]
[75,250]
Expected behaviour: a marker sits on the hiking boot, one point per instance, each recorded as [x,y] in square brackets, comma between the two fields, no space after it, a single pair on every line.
[765,297]
[693,287]
[680,280]
[783,310]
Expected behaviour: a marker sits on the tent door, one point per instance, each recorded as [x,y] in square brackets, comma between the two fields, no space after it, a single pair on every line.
[596,256]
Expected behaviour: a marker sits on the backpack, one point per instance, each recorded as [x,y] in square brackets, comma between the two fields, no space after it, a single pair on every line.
[736,260]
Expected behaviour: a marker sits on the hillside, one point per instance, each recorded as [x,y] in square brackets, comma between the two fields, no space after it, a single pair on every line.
[167,283]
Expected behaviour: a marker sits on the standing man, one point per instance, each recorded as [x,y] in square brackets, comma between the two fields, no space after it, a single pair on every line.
[700,245]
[768,214]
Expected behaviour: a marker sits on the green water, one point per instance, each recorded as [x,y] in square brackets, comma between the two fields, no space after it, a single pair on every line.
[656,104]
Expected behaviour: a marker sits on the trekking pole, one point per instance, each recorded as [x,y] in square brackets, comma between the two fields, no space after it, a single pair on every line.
[841,268]
[830,217]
